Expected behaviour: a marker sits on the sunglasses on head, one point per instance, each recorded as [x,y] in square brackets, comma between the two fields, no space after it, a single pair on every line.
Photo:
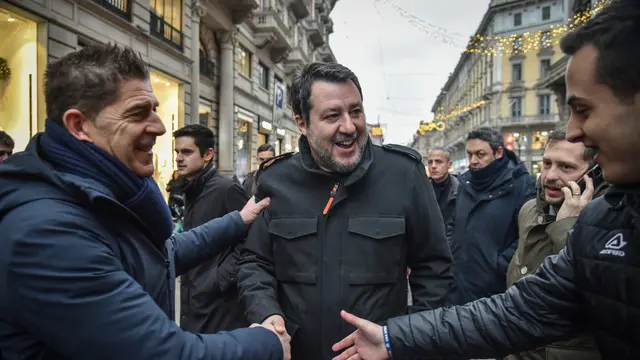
[5,153]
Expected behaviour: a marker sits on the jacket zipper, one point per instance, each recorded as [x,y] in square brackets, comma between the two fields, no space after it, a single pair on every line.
[332,196]
[322,231]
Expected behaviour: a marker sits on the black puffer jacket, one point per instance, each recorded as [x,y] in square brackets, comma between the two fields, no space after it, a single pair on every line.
[591,285]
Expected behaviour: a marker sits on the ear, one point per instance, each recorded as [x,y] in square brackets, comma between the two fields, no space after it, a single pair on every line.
[302,125]
[499,152]
[77,124]
[208,156]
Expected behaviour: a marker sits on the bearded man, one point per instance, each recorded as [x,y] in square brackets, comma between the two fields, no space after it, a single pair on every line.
[345,221]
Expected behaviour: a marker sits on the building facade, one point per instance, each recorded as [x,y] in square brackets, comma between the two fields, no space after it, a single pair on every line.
[226,64]
[503,89]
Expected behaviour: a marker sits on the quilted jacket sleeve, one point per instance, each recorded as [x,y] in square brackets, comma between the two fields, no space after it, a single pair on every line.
[536,310]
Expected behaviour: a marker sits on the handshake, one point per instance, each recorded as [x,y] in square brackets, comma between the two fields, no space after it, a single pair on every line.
[366,343]
[275,323]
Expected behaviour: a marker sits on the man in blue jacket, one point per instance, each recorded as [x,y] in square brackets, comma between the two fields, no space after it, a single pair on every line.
[87,256]
[483,232]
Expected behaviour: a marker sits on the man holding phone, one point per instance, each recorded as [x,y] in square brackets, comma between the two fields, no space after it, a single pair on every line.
[544,222]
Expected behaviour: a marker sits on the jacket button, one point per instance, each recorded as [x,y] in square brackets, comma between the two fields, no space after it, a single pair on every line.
[523,270]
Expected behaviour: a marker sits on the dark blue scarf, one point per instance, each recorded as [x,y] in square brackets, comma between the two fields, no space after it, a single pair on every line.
[481,180]
[140,195]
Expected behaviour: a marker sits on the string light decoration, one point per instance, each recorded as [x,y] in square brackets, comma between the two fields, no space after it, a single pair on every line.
[514,44]
[518,44]
[431,126]
[458,111]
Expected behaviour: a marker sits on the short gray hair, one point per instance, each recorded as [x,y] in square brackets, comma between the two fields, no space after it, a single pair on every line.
[446,152]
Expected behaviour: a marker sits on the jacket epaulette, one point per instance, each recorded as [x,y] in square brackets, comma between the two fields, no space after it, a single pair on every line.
[274,159]
[406,151]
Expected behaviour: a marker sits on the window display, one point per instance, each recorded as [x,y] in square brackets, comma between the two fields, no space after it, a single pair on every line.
[539,140]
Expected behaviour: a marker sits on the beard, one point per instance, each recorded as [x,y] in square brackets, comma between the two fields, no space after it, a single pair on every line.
[323,151]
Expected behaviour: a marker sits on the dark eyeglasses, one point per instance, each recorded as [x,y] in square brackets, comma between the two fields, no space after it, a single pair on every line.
[5,153]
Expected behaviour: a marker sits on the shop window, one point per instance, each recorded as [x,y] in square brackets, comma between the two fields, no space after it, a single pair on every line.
[516,107]
[546,13]
[166,21]
[517,19]
[204,114]
[515,141]
[243,148]
[544,104]
[167,92]
[263,74]
[539,140]
[121,8]
[516,72]
[19,79]
[244,61]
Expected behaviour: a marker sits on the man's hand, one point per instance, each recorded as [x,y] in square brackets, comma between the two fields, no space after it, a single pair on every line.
[251,210]
[275,323]
[574,201]
[285,340]
[366,343]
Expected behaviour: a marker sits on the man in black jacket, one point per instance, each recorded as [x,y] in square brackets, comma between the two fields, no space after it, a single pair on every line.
[208,293]
[445,185]
[346,220]
[265,152]
[495,187]
[592,284]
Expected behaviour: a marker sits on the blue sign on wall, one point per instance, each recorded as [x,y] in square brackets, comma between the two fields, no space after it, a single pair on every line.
[279,96]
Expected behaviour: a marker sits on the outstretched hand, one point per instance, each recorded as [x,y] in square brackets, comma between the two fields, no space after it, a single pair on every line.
[366,343]
[252,209]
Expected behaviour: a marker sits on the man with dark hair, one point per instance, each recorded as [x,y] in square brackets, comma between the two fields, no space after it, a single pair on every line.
[444,184]
[491,192]
[265,152]
[346,220]
[87,258]
[544,222]
[592,284]
[6,146]
[208,292]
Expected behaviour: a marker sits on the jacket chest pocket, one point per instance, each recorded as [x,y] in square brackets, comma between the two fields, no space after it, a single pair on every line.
[295,249]
[375,250]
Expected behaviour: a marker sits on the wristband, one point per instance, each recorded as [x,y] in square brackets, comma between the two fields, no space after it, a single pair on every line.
[387,342]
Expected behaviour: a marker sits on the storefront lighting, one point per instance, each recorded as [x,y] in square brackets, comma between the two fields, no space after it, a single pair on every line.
[11,19]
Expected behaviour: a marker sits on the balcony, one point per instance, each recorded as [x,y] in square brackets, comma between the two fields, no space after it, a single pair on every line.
[299,9]
[315,32]
[271,32]
[534,120]
[165,32]
[326,54]
[121,8]
[295,61]
[239,9]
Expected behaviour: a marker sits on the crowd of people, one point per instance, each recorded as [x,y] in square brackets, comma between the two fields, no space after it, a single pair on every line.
[308,258]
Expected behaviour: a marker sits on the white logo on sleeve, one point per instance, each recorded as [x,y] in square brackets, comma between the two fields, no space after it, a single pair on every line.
[614,246]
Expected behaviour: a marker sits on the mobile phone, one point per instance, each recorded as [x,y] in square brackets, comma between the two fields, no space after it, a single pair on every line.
[595,173]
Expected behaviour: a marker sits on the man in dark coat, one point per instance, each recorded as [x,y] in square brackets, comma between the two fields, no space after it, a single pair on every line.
[265,152]
[87,257]
[208,292]
[483,232]
[593,283]
[346,220]
[445,185]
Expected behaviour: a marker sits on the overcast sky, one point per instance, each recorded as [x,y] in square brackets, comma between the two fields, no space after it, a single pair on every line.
[401,68]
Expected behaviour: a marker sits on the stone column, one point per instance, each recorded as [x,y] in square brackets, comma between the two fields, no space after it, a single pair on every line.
[198,10]
[226,116]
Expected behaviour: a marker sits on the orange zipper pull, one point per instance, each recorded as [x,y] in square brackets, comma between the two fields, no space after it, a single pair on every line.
[331,197]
